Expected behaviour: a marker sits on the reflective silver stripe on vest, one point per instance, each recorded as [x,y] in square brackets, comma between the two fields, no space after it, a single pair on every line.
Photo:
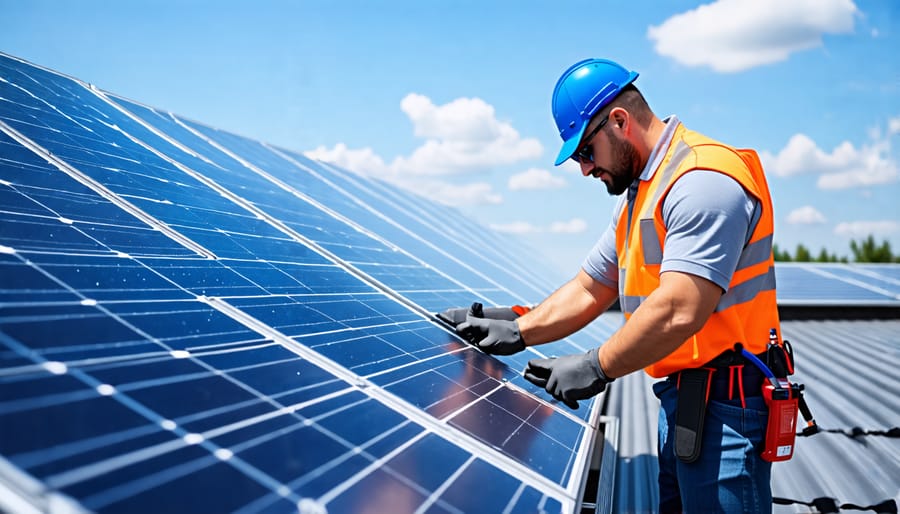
[747,290]
[650,242]
[649,239]
[743,292]
[755,253]
[629,304]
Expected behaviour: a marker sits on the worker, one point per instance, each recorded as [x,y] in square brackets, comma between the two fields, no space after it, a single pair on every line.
[688,254]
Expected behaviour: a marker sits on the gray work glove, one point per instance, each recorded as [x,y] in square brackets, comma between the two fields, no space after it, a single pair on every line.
[457,315]
[569,378]
[494,336]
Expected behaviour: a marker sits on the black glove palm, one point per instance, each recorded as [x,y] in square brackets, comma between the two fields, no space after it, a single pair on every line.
[494,336]
[569,378]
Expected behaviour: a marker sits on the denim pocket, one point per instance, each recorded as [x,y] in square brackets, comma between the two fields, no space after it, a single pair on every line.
[748,422]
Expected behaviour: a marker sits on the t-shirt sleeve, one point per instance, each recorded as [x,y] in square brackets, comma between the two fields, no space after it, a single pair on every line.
[601,263]
[708,218]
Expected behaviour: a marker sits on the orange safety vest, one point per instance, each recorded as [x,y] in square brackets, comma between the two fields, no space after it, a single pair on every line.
[747,311]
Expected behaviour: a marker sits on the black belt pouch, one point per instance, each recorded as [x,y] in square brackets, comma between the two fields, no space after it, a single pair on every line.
[689,413]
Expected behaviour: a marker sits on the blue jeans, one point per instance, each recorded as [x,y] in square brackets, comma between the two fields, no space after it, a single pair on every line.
[729,476]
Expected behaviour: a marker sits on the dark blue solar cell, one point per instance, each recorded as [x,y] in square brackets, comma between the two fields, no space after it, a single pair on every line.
[425,389]
[357,352]
[129,374]
[325,279]
[16,202]
[501,429]
[99,491]
[384,491]
[380,491]
[68,457]
[293,451]
[271,370]
[60,326]
[270,277]
[22,282]
[198,490]
[204,277]
[289,317]
[29,233]
[19,392]
[372,423]
[26,431]
[235,414]
[183,325]
[109,278]
[503,491]
[182,397]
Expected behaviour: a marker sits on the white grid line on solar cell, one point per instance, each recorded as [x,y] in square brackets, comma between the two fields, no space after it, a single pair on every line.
[435,496]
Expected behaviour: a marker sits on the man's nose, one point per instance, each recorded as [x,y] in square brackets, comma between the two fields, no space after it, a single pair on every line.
[586,167]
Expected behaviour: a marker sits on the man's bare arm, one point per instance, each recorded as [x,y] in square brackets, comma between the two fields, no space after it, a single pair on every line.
[672,313]
[571,307]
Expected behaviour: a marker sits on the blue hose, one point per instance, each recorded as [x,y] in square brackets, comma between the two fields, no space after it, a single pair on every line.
[762,366]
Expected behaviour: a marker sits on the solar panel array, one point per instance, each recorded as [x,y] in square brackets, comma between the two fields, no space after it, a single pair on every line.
[820,284]
[191,320]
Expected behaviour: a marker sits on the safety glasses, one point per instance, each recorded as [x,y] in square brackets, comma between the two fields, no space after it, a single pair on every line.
[586,152]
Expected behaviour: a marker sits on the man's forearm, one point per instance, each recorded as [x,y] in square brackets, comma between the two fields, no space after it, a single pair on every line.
[567,310]
[670,315]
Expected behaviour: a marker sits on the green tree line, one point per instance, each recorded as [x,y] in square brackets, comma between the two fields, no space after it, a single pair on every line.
[866,250]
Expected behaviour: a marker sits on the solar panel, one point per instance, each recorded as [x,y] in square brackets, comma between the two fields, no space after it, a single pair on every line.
[192,320]
[837,284]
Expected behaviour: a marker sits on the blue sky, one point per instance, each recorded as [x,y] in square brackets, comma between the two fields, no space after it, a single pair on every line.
[452,99]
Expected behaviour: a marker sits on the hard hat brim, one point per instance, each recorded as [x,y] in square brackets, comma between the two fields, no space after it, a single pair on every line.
[570,146]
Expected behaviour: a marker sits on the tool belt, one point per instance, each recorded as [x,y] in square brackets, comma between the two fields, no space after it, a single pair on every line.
[728,376]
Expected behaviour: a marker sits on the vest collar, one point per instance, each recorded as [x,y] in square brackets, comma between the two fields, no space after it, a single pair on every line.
[661,148]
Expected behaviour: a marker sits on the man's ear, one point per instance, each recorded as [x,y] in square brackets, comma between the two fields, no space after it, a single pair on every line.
[619,117]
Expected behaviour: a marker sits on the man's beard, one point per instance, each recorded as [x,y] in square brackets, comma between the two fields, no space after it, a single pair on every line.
[627,166]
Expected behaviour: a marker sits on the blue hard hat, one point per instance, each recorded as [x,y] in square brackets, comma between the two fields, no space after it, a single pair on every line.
[585,88]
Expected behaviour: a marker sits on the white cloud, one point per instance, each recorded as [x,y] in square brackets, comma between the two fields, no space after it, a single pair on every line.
[516,227]
[573,226]
[844,167]
[894,126]
[865,228]
[363,160]
[461,136]
[475,193]
[806,215]
[735,35]
[535,178]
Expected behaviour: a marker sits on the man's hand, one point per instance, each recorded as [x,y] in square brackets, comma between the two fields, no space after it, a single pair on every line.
[457,315]
[494,336]
[569,378]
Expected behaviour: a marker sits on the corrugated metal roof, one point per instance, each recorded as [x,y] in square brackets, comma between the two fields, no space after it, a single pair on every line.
[850,369]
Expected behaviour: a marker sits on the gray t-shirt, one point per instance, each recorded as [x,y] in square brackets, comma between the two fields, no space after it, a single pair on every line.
[709,218]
